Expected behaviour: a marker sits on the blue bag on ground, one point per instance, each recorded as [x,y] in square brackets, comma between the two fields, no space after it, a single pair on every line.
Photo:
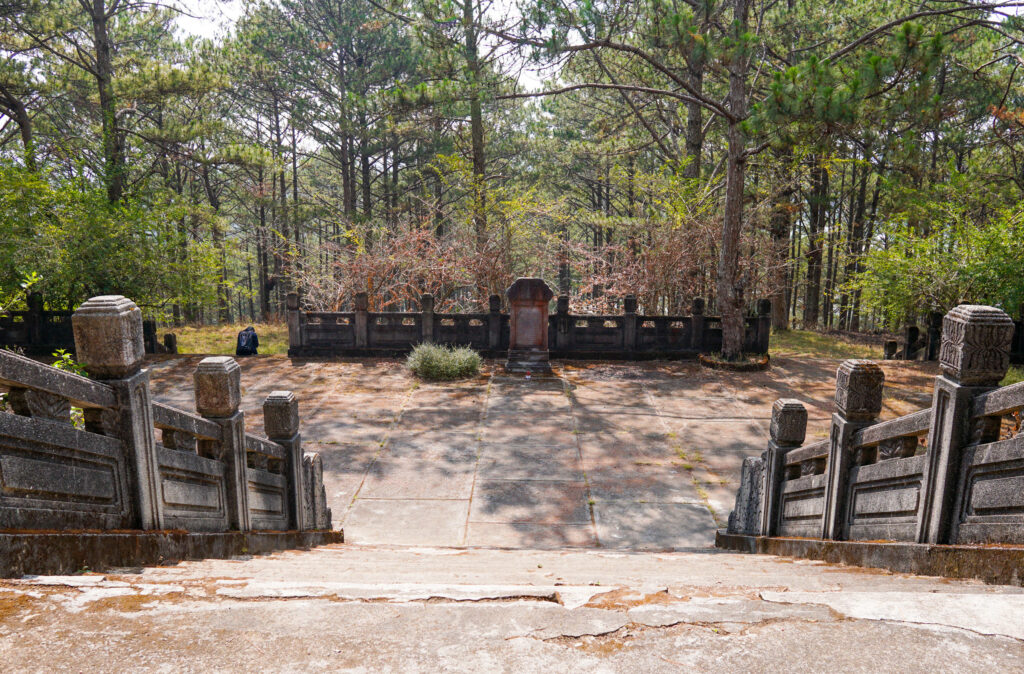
[248,342]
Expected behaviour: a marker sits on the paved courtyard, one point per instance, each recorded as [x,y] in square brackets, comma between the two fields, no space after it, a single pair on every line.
[637,456]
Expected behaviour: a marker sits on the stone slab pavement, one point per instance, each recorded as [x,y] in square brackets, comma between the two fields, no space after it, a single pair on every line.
[628,456]
[427,609]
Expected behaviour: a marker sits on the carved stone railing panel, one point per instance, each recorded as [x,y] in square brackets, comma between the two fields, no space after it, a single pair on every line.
[953,473]
[622,336]
[53,476]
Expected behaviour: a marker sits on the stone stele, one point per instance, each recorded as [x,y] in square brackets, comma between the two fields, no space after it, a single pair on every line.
[528,300]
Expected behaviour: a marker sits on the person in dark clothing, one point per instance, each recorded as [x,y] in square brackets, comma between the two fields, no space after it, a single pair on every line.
[248,342]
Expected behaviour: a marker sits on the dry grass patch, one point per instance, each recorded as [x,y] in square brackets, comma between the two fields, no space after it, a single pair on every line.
[219,340]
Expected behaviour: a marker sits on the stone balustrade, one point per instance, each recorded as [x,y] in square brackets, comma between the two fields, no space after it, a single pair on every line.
[39,332]
[950,474]
[131,463]
[626,336]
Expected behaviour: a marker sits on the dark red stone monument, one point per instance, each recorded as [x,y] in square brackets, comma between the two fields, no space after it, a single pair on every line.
[528,300]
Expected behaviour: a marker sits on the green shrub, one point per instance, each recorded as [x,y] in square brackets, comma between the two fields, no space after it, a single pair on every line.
[434,362]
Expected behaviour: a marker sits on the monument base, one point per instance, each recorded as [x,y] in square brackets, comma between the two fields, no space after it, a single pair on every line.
[529,362]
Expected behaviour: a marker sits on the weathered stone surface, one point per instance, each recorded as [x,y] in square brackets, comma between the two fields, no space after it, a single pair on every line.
[281,415]
[218,387]
[975,347]
[789,422]
[859,386]
[746,516]
[108,336]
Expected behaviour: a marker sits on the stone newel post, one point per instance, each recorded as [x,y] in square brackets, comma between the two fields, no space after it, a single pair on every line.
[494,322]
[859,386]
[974,357]
[629,323]
[218,391]
[788,429]
[281,423]
[361,306]
[528,327]
[108,343]
[427,317]
[294,321]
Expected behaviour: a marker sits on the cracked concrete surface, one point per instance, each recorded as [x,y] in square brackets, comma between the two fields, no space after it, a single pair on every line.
[631,456]
[518,525]
[367,608]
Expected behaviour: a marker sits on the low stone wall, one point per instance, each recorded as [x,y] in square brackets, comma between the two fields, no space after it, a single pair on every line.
[626,336]
[951,474]
[38,332]
[97,453]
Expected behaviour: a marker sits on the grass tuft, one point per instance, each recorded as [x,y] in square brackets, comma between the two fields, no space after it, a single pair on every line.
[441,363]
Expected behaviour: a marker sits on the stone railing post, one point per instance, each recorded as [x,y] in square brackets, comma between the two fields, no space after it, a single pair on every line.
[564,278]
[34,319]
[974,357]
[764,325]
[218,385]
[629,323]
[361,305]
[563,324]
[697,324]
[295,336]
[494,322]
[911,337]
[427,317]
[108,344]
[859,385]
[787,431]
[934,335]
[281,424]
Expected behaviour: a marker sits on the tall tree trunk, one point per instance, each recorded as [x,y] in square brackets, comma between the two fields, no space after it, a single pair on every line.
[694,120]
[780,226]
[730,286]
[816,224]
[476,126]
[113,144]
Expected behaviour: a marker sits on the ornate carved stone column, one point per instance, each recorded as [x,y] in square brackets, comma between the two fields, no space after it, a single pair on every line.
[859,386]
[218,386]
[528,327]
[787,431]
[974,357]
[281,423]
[108,344]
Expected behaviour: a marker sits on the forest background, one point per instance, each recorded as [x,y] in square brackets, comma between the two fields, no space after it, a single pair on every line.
[861,162]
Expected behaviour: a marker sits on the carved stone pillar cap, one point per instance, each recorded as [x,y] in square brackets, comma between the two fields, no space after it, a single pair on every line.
[281,414]
[789,422]
[976,344]
[108,336]
[218,387]
[859,390]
